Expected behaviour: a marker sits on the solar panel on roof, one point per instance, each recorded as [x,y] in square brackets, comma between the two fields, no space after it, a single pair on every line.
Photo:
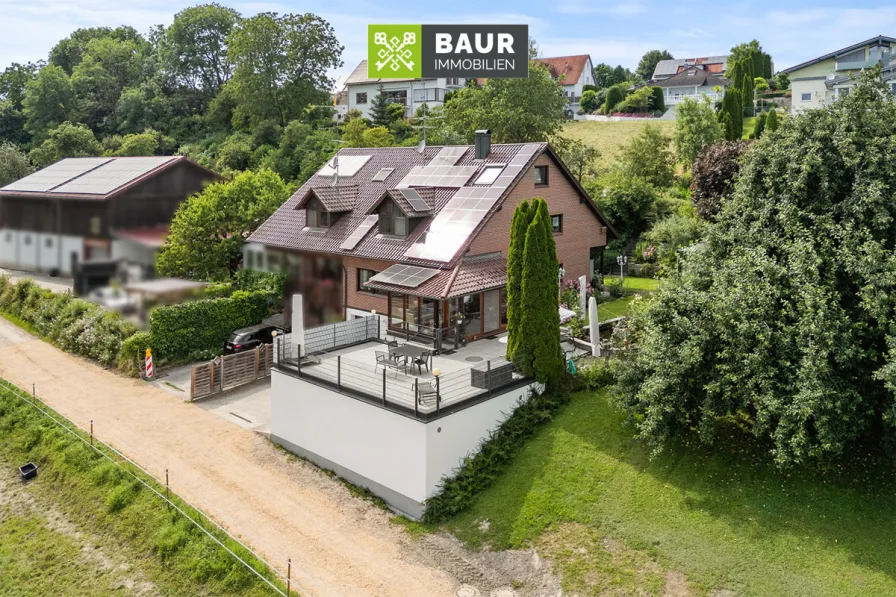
[383,174]
[409,276]
[56,174]
[360,232]
[448,156]
[346,165]
[415,199]
[437,176]
[112,175]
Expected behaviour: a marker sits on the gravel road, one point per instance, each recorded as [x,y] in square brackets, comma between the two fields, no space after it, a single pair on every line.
[281,506]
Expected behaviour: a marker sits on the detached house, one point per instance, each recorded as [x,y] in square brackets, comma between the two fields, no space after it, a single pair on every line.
[389,244]
[692,81]
[360,90]
[714,65]
[573,73]
[421,237]
[823,79]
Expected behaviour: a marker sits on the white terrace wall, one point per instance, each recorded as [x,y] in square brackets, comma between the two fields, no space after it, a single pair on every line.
[398,458]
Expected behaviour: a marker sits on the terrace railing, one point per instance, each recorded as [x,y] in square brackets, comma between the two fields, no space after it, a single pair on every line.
[422,398]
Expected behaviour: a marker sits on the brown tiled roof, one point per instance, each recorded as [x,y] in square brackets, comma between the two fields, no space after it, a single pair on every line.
[335,199]
[426,193]
[570,66]
[470,275]
[284,229]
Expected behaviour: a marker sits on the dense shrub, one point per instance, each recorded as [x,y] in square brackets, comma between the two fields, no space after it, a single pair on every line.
[614,95]
[72,324]
[198,329]
[713,176]
[627,200]
[783,317]
[659,101]
[649,156]
[588,101]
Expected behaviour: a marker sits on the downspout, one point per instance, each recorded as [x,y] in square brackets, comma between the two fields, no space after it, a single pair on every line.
[344,292]
[59,233]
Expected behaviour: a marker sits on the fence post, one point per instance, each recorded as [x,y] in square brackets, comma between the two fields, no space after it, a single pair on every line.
[488,377]
[299,360]
[339,372]
[334,335]
[166,484]
[211,378]
[416,394]
[438,395]
[384,386]
[91,432]
[257,355]
[288,577]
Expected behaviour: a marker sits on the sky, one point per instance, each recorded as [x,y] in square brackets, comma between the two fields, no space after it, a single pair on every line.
[615,33]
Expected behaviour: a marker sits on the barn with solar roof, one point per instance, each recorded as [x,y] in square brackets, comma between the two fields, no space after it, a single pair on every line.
[80,211]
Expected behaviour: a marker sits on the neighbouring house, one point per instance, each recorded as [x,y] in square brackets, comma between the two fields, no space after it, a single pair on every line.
[692,81]
[360,90]
[394,243]
[714,65]
[80,211]
[573,73]
[821,80]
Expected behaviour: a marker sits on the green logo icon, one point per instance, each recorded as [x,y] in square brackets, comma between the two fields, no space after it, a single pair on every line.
[394,51]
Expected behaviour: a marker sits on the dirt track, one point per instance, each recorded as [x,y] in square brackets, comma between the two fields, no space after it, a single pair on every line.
[339,545]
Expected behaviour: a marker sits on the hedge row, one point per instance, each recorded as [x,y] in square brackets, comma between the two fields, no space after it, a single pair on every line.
[72,324]
[197,329]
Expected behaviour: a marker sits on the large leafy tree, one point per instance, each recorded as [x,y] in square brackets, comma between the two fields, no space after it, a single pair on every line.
[281,65]
[515,110]
[648,156]
[13,81]
[193,51]
[49,101]
[209,229]
[783,318]
[648,63]
[629,201]
[696,127]
[68,53]
[14,164]
[66,141]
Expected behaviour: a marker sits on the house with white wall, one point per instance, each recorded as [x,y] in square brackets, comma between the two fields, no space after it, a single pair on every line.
[692,82]
[572,73]
[714,65]
[821,80]
[360,90]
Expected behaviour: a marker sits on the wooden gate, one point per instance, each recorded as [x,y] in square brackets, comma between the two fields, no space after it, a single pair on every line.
[230,371]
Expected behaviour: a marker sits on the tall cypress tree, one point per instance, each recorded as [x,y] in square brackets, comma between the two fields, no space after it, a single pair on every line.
[540,323]
[521,218]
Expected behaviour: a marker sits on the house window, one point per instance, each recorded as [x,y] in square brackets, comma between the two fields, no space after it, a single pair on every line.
[48,243]
[806,97]
[95,225]
[557,223]
[452,82]
[843,92]
[398,97]
[490,174]
[318,217]
[363,276]
[393,221]
[541,176]
[360,98]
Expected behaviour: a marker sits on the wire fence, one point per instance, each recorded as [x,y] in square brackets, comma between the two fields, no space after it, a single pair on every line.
[103,449]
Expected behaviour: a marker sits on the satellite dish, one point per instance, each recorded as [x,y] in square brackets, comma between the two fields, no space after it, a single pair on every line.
[421,146]
[335,181]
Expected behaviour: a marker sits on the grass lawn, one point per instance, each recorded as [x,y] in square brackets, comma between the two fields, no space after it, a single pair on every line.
[614,522]
[609,137]
[641,284]
[83,527]
[612,309]
[749,125]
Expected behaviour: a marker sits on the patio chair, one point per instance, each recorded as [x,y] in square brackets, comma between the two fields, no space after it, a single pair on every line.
[382,359]
[423,361]
[426,392]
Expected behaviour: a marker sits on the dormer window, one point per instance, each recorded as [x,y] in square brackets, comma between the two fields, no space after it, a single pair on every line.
[316,215]
[393,221]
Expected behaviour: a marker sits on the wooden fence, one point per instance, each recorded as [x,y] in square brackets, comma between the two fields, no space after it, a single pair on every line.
[230,371]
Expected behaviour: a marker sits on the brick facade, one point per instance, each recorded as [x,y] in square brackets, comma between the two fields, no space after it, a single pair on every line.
[581,228]
[359,299]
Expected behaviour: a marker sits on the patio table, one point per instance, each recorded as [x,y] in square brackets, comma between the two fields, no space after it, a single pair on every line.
[408,351]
